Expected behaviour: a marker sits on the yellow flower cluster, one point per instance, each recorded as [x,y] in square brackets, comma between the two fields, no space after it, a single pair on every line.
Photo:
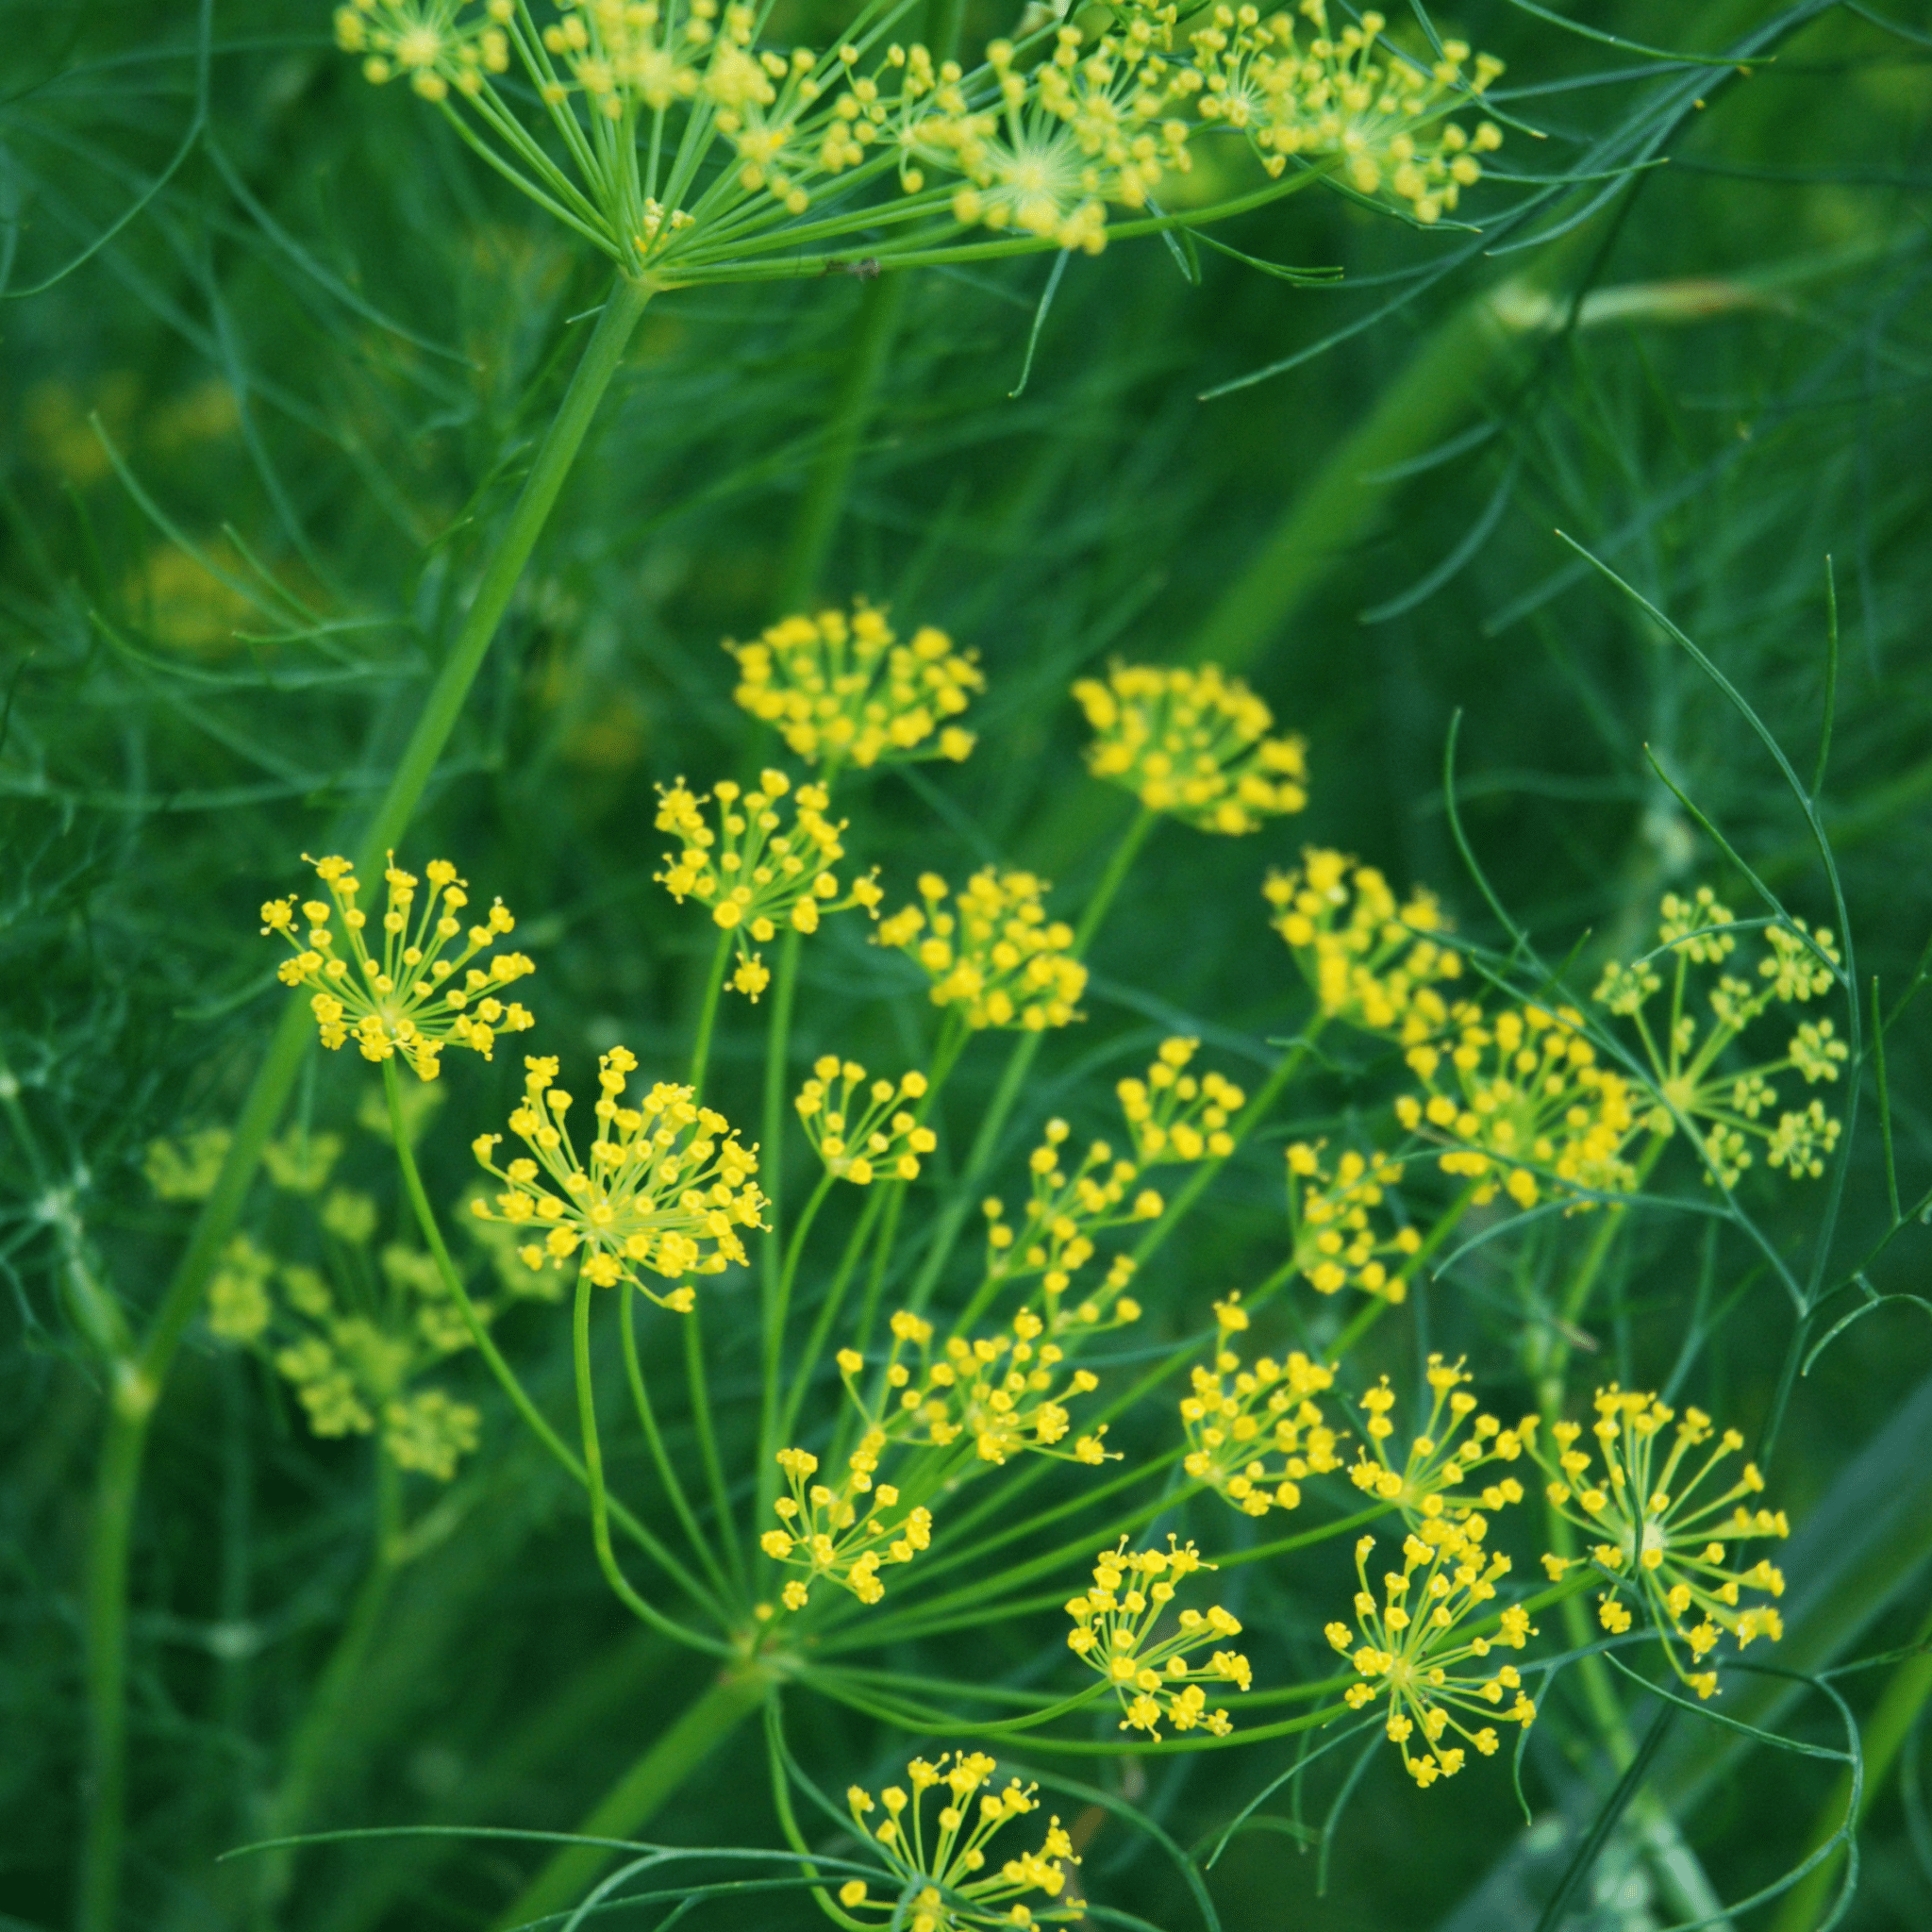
[846,691]
[186,1169]
[752,871]
[1173,1115]
[937,1883]
[1523,1106]
[1064,136]
[406,1002]
[437,44]
[1430,1483]
[1408,1646]
[1383,119]
[1367,959]
[846,1534]
[1663,1533]
[1116,1632]
[1732,1107]
[1001,1393]
[349,1370]
[995,957]
[666,1188]
[1230,1407]
[1332,1222]
[1054,1237]
[878,1142]
[1192,744]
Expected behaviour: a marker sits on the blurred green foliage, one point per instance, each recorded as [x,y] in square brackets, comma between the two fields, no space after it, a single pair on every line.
[276,351]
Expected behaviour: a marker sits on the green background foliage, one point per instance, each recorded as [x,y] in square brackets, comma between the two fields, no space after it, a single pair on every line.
[276,353]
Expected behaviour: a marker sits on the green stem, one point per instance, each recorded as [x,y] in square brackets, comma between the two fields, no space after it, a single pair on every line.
[308,1749]
[770,1151]
[707,1015]
[505,1375]
[639,1794]
[707,1443]
[137,1382]
[593,1469]
[667,1469]
[1882,1736]
[880,307]
[776,1312]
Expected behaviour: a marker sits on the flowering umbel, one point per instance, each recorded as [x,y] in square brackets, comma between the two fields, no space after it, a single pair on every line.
[686,150]
[1236,1417]
[1730,1106]
[1409,1645]
[408,1000]
[1663,1531]
[1116,1632]
[755,871]
[1368,958]
[1194,744]
[940,1878]
[664,1192]
[995,956]
[1175,1115]
[880,1140]
[846,691]
[843,1534]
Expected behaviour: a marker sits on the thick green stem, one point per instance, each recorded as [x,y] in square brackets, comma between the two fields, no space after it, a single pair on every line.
[880,307]
[137,1381]
[637,1795]
[308,1748]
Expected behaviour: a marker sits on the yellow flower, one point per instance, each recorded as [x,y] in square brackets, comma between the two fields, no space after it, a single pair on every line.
[666,1188]
[1064,1211]
[1407,1646]
[1116,1633]
[1174,1116]
[935,1883]
[1192,744]
[1367,959]
[1733,1106]
[1230,1408]
[301,1161]
[1331,1216]
[754,872]
[430,1433]
[239,1308]
[843,1534]
[884,1140]
[1523,1106]
[996,957]
[1662,1532]
[1000,1393]
[185,1170]
[844,691]
[1385,119]
[1431,1482]
[407,1001]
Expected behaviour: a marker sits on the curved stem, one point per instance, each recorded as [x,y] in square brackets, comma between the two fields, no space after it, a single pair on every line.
[136,1381]
[593,1471]
[667,1470]
[707,1444]
[505,1375]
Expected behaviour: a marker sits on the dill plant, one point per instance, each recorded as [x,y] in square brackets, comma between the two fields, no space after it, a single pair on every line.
[866,1373]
